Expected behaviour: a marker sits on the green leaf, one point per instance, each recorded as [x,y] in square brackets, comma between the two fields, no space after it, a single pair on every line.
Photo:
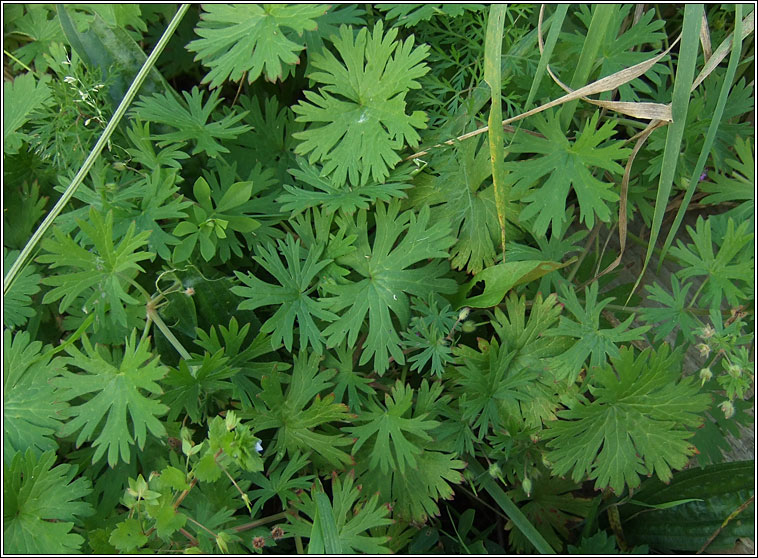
[194,382]
[394,431]
[291,295]
[128,536]
[101,275]
[248,39]
[297,413]
[332,196]
[729,273]
[593,341]
[33,410]
[22,97]
[17,302]
[501,278]
[566,165]
[284,482]
[116,397]
[358,138]
[460,194]
[191,120]
[40,505]
[675,312]
[346,520]
[637,422]
[389,277]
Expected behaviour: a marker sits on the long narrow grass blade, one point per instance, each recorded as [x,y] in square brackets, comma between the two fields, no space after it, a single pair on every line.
[510,509]
[685,72]
[601,18]
[493,45]
[718,113]
[546,51]
[95,153]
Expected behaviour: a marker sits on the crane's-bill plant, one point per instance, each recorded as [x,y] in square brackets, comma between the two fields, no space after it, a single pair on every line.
[359,279]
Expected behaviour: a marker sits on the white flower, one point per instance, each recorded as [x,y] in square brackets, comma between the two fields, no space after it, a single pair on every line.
[69,79]
[258,446]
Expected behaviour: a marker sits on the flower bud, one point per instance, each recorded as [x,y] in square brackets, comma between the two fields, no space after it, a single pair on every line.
[468,326]
[703,349]
[733,370]
[494,471]
[707,332]
[705,375]
[526,485]
[727,408]
[463,314]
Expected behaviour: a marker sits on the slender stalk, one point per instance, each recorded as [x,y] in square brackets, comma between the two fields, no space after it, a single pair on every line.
[262,521]
[95,153]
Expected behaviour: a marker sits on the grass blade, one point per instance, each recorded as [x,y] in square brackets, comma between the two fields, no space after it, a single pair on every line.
[685,72]
[718,112]
[601,19]
[547,51]
[95,153]
[493,45]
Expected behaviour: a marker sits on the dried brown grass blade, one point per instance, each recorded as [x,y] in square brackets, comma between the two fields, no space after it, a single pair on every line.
[705,37]
[624,194]
[748,24]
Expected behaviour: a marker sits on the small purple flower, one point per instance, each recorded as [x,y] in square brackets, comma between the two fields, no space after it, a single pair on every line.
[703,176]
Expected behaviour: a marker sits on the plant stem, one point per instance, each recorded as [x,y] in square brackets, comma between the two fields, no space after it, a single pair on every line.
[262,521]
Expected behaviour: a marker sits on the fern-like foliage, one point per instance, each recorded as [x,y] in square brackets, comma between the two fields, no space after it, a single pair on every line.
[357,119]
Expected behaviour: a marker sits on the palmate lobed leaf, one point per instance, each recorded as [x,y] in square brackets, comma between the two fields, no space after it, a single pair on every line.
[298,412]
[728,274]
[40,503]
[566,165]
[192,121]
[389,277]
[639,422]
[393,430]
[593,341]
[117,398]
[248,38]
[357,119]
[33,410]
[102,274]
[291,295]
